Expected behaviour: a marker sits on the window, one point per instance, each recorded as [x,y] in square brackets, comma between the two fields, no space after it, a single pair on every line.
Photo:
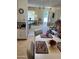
[31,15]
[45,16]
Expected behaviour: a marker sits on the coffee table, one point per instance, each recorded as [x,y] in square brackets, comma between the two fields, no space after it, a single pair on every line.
[54,53]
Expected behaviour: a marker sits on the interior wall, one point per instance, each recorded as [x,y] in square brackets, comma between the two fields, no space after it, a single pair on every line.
[22,17]
[57,14]
[21,4]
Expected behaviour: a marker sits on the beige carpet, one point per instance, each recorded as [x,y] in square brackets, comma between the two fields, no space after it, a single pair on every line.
[21,49]
[22,45]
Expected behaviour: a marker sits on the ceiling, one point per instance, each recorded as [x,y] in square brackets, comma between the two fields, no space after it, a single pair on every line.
[45,3]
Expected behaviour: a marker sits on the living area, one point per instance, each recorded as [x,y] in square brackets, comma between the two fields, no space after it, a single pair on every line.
[39,29]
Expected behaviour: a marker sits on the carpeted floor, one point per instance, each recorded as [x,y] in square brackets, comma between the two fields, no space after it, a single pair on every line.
[22,45]
[21,49]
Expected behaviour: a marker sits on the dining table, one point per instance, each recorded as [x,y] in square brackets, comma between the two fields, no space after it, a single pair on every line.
[53,53]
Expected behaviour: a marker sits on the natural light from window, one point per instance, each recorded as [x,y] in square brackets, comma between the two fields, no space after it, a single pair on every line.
[31,14]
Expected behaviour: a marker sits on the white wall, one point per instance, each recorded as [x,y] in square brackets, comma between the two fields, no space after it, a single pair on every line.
[57,11]
[21,4]
[22,17]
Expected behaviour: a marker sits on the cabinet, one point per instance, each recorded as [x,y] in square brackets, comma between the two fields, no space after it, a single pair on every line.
[21,33]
